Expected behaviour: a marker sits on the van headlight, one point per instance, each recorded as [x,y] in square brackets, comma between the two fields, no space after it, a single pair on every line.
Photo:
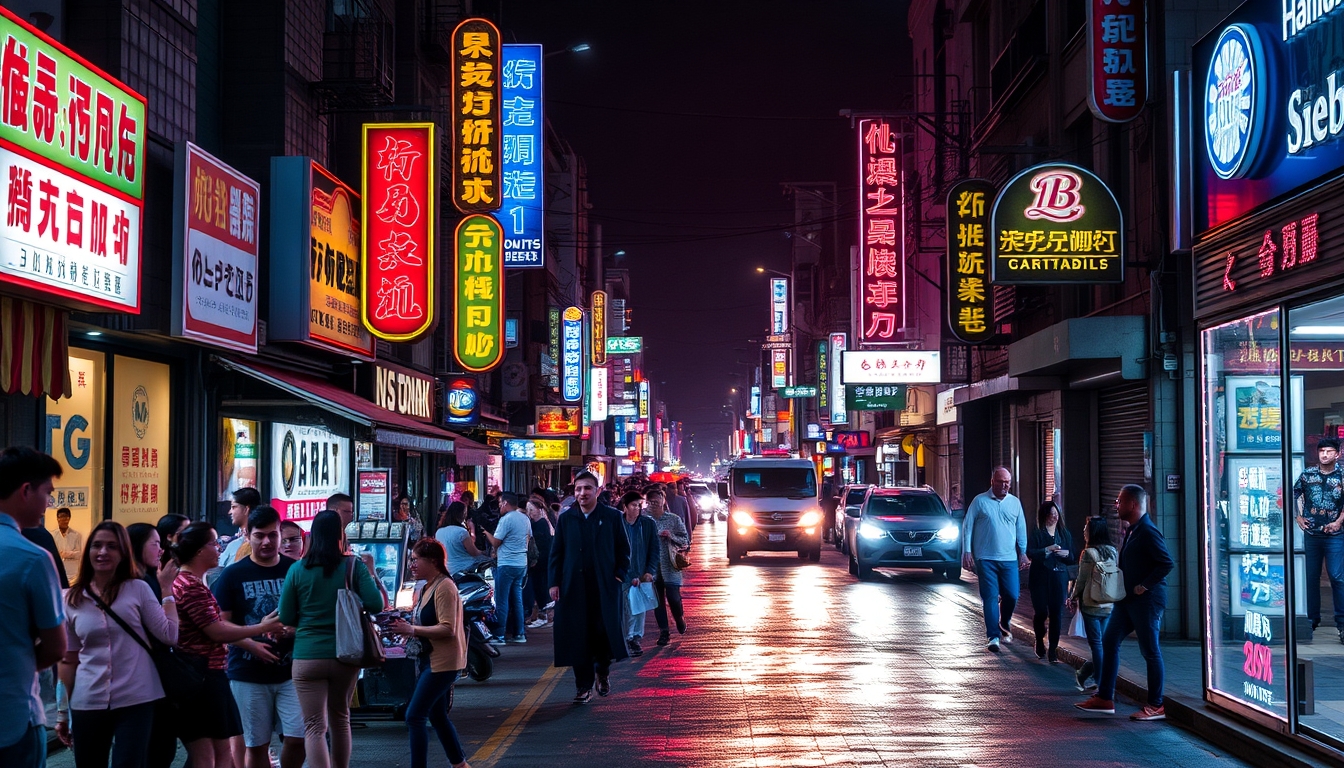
[870,531]
[948,533]
[809,519]
[743,518]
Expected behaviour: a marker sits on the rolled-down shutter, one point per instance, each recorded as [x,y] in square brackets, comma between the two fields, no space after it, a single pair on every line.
[1122,418]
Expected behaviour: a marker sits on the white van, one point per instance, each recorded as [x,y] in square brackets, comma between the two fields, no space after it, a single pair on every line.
[774,505]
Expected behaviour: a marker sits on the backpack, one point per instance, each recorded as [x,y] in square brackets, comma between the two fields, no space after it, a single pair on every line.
[1107,584]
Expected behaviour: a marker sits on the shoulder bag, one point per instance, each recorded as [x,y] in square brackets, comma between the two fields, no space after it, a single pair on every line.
[181,674]
[1107,584]
[357,640]
[680,561]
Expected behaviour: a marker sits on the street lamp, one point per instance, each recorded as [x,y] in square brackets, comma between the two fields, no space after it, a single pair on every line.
[576,48]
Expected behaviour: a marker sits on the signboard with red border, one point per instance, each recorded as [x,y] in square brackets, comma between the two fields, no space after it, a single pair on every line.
[1117,47]
[399,210]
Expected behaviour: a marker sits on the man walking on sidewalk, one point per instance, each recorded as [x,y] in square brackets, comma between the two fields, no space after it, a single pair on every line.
[994,545]
[1145,563]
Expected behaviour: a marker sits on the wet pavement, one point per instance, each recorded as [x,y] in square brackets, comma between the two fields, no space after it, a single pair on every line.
[790,663]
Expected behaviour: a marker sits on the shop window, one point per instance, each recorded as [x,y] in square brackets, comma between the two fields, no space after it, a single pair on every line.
[75,435]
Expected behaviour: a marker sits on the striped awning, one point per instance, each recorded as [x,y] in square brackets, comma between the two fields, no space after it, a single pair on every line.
[34,359]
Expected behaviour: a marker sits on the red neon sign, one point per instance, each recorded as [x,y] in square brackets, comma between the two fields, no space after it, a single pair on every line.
[1117,45]
[398,211]
[880,299]
[1298,243]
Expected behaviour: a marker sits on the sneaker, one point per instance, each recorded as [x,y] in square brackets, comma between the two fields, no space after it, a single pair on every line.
[603,685]
[583,697]
[993,645]
[664,637]
[1095,704]
[1053,655]
[1040,648]
[634,647]
[495,640]
[1150,713]
[1005,635]
[1083,684]
[518,639]
[548,606]
[539,623]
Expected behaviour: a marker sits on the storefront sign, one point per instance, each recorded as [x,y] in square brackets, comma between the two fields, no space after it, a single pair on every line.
[462,404]
[779,368]
[970,307]
[598,394]
[947,407]
[1056,223]
[1117,46]
[141,411]
[315,242]
[75,438]
[1249,357]
[399,210]
[238,454]
[404,391]
[374,494]
[823,378]
[839,410]
[643,400]
[308,464]
[625,345]
[891,367]
[558,420]
[477,134]
[876,397]
[552,372]
[779,305]
[216,290]
[535,450]
[852,440]
[598,326]
[72,144]
[571,355]
[797,392]
[478,273]
[879,302]
[523,215]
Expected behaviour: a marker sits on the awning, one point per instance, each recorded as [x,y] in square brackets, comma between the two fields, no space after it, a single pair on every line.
[388,428]
[1002,385]
[1089,352]
[469,453]
[34,359]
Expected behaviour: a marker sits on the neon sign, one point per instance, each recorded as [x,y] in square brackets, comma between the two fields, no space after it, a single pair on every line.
[879,310]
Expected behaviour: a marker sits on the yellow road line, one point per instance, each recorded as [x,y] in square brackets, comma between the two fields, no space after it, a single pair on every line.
[504,736]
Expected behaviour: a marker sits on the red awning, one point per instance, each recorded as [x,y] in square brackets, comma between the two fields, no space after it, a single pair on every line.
[33,355]
[469,453]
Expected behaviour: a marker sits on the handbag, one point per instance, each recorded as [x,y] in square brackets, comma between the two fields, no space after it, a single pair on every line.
[642,598]
[181,674]
[357,640]
[1076,628]
[1107,584]
[533,554]
[680,561]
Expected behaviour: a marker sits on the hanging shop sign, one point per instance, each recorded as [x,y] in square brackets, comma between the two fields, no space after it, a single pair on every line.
[779,305]
[315,242]
[970,308]
[598,394]
[373,494]
[551,368]
[1117,46]
[403,391]
[779,368]
[643,400]
[754,404]
[399,211]
[72,157]
[823,378]
[308,464]
[523,215]
[535,450]
[947,407]
[477,135]
[216,291]
[141,437]
[879,311]
[571,355]
[797,392]
[876,397]
[1056,223]
[478,273]
[853,439]
[558,420]
[462,404]
[839,411]
[891,367]
[625,345]
[598,342]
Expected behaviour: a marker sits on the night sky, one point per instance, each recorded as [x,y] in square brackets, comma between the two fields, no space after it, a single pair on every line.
[690,117]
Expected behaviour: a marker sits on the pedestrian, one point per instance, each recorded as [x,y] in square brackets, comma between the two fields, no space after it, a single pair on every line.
[458,539]
[438,643]
[672,535]
[642,532]
[292,540]
[32,635]
[1098,549]
[1145,563]
[1050,550]
[589,561]
[39,535]
[207,722]
[543,533]
[69,542]
[404,512]
[994,545]
[344,505]
[484,518]
[169,526]
[145,543]
[677,504]
[1318,500]
[308,603]
[107,671]
[510,538]
[244,501]
[260,669]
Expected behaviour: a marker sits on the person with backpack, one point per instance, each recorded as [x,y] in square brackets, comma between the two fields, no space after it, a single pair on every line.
[1098,580]
[1050,550]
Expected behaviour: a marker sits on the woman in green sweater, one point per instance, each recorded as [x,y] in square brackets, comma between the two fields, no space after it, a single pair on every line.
[308,603]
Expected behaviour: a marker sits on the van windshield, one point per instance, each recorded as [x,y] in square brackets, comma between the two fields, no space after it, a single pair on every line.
[913,504]
[762,482]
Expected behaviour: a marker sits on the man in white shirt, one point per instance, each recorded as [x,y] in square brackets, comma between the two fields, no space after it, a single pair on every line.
[994,545]
[69,542]
[510,541]
[244,501]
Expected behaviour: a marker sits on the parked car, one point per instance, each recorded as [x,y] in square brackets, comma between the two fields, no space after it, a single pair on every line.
[903,528]
[851,497]
[774,506]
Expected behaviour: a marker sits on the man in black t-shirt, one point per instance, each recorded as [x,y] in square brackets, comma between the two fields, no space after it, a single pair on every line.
[260,668]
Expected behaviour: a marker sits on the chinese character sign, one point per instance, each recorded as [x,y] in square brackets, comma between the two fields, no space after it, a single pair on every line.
[879,311]
[399,214]
[823,378]
[970,307]
[1056,224]
[142,403]
[334,267]
[839,411]
[216,275]
[897,366]
[523,216]
[1117,44]
[477,135]
[598,303]
[478,272]
[571,355]
[779,305]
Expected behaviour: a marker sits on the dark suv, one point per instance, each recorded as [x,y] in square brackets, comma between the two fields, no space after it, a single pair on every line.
[903,528]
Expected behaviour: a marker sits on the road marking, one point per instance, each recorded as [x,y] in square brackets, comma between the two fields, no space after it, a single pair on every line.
[504,736]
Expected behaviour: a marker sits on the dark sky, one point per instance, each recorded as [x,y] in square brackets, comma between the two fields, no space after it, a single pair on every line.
[690,116]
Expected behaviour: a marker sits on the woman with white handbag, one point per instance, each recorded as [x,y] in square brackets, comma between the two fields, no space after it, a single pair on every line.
[1097,557]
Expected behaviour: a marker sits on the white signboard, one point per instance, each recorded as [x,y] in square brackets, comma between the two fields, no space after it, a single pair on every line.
[947,406]
[599,394]
[308,464]
[839,408]
[897,366]
[779,305]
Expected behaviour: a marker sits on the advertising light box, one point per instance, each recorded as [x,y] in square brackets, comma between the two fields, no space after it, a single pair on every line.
[625,345]
[891,367]
[535,450]
[523,215]
[478,274]
[1056,223]
[400,209]
[879,302]
[476,134]
[970,308]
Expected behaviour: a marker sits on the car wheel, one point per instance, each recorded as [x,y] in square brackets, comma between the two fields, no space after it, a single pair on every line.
[826,535]
[853,566]
[844,545]
[865,573]
[815,555]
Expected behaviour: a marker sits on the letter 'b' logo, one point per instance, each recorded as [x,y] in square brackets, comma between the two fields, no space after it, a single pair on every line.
[1058,196]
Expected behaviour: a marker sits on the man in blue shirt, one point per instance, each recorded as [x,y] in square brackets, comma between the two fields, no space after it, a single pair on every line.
[32,636]
[994,545]
[510,542]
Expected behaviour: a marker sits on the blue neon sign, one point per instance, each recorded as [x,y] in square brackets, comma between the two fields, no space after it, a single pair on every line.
[522,214]
[571,355]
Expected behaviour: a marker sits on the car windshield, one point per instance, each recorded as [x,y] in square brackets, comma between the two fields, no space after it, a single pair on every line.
[792,482]
[855,497]
[911,505]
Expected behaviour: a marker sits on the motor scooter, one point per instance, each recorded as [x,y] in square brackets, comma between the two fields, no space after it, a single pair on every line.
[478,613]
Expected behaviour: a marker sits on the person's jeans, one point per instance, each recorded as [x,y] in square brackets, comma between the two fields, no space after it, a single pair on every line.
[30,751]
[1141,615]
[121,733]
[1327,551]
[1048,592]
[668,595]
[429,706]
[999,587]
[325,687]
[509,599]
[1095,626]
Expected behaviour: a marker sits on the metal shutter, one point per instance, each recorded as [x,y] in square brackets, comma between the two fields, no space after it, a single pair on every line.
[1122,418]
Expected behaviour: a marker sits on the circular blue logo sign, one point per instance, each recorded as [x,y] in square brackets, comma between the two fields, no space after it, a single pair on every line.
[1234,94]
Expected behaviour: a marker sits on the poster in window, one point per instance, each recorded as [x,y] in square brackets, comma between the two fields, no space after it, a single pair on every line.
[237,456]
[1255,502]
[1255,413]
[75,434]
[141,405]
[1257,582]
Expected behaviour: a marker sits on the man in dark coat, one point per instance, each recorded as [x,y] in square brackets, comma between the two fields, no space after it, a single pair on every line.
[589,560]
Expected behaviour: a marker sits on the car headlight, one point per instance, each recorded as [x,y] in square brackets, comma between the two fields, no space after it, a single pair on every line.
[743,518]
[948,533]
[870,531]
[809,519]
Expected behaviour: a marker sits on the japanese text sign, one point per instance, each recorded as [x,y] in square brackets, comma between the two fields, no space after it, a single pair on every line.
[215,278]
[477,136]
[879,311]
[779,305]
[598,304]
[1057,223]
[876,397]
[399,212]
[558,420]
[478,273]
[571,355]
[141,439]
[839,412]
[523,216]
[1117,44]
[535,450]
[891,367]
[970,309]
[643,400]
